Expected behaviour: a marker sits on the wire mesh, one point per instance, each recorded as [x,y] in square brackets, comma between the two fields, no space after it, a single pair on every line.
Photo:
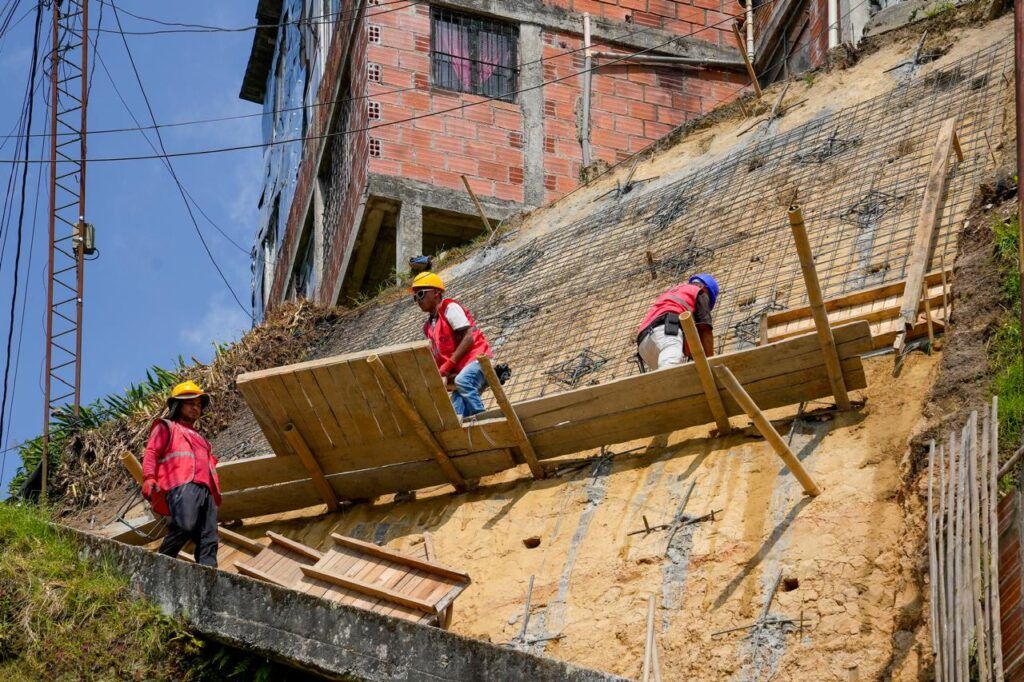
[581,290]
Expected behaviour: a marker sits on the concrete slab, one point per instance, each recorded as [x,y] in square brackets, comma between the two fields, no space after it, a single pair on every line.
[333,640]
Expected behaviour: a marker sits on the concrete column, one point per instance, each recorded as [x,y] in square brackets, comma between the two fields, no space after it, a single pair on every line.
[531,103]
[409,235]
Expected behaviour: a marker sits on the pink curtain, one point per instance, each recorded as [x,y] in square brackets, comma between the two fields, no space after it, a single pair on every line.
[493,53]
[454,41]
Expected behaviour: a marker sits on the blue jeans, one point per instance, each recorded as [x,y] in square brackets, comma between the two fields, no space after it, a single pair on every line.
[468,384]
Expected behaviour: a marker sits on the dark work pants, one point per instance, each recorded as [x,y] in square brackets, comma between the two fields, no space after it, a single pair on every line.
[193,517]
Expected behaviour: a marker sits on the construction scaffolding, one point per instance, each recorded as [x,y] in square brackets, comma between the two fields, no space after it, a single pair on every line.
[859,175]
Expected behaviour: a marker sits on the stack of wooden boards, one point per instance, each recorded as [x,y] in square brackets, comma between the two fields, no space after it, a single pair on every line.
[342,417]
[879,306]
[363,575]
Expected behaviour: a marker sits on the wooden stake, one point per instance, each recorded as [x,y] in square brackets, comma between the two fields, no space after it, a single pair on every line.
[945,300]
[746,60]
[993,563]
[740,395]
[649,646]
[707,379]
[924,236]
[821,323]
[308,459]
[651,266]
[479,208]
[928,317]
[396,396]
[950,526]
[940,570]
[991,151]
[932,567]
[980,632]
[511,417]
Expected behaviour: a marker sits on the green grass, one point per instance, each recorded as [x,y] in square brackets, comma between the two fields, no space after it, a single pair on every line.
[62,618]
[1005,345]
[936,10]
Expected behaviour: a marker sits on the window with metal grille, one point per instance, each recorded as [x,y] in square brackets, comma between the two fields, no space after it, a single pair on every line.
[473,54]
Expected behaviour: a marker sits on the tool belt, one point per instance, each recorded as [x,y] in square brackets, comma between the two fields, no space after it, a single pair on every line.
[669,320]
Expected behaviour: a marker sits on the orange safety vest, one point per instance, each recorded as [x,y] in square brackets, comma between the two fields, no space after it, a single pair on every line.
[442,338]
[177,464]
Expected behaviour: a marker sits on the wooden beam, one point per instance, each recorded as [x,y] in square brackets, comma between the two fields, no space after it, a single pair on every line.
[293,546]
[399,558]
[369,590]
[476,202]
[240,540]
[924,235]
[741,396]
[298,444]
[510,416]
[133,466]
[746,60]
[821,324]
[707,379]
[245,569]
[396,396]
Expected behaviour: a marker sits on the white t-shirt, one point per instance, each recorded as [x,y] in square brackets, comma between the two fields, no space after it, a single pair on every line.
[456,316]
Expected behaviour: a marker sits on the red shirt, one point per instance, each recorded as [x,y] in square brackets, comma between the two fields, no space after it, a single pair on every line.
[157,446]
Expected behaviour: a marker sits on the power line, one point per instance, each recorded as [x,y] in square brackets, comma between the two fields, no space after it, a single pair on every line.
[467,105]
[346,100]
[170,167]
[29,108]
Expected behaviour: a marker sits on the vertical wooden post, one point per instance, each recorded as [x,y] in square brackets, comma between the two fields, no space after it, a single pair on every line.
[932,568]
[511,417]
[924,235]
[821,324]
[993,519]
[649,641]
[981,638]
[746,61]
[707,379]
[308,459]
[587,75]
[928,317]
[740,395]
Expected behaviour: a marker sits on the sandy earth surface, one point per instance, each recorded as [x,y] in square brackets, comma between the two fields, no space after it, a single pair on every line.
[839,554]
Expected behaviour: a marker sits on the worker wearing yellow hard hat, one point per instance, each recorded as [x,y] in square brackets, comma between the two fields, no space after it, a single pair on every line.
[179,475]
[455,341]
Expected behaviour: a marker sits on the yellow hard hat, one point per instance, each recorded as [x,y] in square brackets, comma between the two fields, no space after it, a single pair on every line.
[187,390]
[426,280]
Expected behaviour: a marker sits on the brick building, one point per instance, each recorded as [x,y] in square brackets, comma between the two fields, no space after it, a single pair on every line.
[374,109]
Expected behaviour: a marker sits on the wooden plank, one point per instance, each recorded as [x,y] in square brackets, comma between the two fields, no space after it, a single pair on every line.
[821,324]
[132,465]
[522,440]
[267,418]
[707,380]
[422,430]
[308,460]
[350,358]
[767,430]
[300,412]
[368,589]
[399,558]
[436,389]
[240,540]
[378,407]
[247,570]
[404,369]
[293,546]
[344,388]
[924,234]
[322,408]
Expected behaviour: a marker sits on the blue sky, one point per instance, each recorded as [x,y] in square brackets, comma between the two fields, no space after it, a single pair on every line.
[153,292]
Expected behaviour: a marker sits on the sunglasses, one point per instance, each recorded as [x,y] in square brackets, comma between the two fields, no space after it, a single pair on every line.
[419,295]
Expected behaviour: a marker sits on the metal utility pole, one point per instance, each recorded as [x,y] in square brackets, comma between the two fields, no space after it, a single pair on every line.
[70,236]
[1018,73]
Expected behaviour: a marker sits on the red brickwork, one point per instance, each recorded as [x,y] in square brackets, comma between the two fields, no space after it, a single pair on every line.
[707,20]
[1011,572]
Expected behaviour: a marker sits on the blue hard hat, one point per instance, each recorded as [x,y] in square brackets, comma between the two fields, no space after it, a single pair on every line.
[708,281]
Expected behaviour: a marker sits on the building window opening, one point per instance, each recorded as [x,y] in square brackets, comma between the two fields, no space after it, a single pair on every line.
[375,150]
[374,73]
[473,54]
[373,34]
[373,111]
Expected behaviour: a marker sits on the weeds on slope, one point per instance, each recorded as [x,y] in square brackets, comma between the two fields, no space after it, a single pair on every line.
[63,617]
[1005,345]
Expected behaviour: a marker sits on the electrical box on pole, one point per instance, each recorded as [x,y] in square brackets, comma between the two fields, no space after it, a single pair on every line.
[71,238]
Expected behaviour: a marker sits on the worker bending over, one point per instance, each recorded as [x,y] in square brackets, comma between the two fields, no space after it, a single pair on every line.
[455,342]
[660,341]
[179,476]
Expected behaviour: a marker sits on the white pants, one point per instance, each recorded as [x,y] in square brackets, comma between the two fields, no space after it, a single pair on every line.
[659,350]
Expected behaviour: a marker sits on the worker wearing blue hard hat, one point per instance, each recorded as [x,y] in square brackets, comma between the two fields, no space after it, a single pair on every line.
[660,341]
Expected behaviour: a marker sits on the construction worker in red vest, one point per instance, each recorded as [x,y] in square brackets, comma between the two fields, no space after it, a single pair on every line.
[179,476]
[660,341]
[455,341]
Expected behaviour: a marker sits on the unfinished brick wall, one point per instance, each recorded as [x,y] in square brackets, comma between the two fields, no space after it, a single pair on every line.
[672,15]
[631,107]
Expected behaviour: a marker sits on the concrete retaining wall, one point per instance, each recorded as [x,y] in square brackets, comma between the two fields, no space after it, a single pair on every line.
[340,642]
